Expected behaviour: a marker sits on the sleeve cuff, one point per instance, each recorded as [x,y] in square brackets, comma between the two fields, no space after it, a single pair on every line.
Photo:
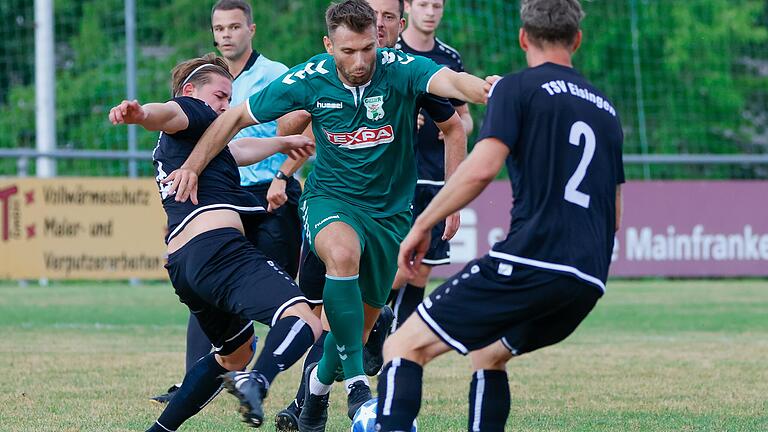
[426,89]
[250,113]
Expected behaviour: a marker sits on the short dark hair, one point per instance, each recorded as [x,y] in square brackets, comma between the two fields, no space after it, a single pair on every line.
[553,21]
[411,1]
[234,4]
[401,4]
[356,15]
[182,72]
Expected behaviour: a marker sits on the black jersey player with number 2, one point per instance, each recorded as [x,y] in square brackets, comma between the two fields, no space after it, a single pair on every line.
[561,140]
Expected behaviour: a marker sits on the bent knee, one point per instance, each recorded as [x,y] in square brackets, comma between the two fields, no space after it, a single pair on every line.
[342,261]
[306,314]
[492,357]
[399,345]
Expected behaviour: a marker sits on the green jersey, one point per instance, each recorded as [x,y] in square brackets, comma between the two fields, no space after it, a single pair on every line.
[364,135]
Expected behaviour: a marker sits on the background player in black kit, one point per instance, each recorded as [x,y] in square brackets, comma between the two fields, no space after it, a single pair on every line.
[221,277]
[419,38]
[561,140]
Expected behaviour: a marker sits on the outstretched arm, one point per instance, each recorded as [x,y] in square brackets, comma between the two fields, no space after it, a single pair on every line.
[461,85]
[248,151]
[472,176]
[167,117]
[293,123]
[183,181]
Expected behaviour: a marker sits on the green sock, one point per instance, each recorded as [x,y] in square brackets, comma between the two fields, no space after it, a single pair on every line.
[328,364]
[343,306]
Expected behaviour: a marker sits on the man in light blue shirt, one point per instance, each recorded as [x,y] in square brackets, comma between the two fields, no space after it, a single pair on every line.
[278,234]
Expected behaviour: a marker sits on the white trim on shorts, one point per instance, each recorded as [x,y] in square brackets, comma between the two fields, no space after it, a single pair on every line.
[222,206]
[217,349]
[549,266]
[435,327]
[286,305]
[509,346]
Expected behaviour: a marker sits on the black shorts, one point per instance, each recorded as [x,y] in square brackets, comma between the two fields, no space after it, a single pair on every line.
[439,252]
[311,276]
[226,283]
[491,299]
[277,234]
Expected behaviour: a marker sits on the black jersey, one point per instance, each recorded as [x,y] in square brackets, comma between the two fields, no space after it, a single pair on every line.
[218,185]
[564,164]
[430,151]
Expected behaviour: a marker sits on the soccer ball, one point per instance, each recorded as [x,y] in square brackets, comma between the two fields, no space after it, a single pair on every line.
[365,418]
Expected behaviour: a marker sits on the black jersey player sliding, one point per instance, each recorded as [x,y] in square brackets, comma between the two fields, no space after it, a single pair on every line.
[221,277]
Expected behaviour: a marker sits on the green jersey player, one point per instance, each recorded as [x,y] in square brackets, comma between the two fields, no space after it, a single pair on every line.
[355,207]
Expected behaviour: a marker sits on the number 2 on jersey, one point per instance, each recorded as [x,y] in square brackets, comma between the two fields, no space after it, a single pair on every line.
[578,130]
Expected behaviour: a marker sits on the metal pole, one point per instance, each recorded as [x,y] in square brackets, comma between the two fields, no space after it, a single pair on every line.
[130,64]
[130,77]
[22,166]
[45,87]
[639,88]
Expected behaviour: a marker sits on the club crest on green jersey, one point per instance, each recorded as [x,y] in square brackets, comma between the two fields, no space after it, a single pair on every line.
[375,107]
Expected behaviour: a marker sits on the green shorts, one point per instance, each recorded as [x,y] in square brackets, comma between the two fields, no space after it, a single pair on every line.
[379,241]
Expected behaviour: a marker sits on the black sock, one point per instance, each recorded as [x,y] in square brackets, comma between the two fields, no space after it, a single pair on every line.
[408,298]
[284,345]
[392,296]
[314,355]
[399,395]
[489,401]
[200,385]
[198,344]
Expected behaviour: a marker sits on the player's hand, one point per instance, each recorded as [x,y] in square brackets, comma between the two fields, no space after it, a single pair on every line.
[489,82]
[419,121]
[452,224]
[298,146]
[412,251]
[182,183]
[276,195]
[128,112]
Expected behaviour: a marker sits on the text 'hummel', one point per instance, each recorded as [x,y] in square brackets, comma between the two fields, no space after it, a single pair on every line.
[330,105]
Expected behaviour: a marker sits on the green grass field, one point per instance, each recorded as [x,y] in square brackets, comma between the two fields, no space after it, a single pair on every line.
[653,356]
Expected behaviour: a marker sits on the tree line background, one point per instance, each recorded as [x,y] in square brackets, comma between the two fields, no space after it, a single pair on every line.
[696,81]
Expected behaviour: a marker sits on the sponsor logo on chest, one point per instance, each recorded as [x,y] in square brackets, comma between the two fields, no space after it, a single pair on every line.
[374,107]
[362,138]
